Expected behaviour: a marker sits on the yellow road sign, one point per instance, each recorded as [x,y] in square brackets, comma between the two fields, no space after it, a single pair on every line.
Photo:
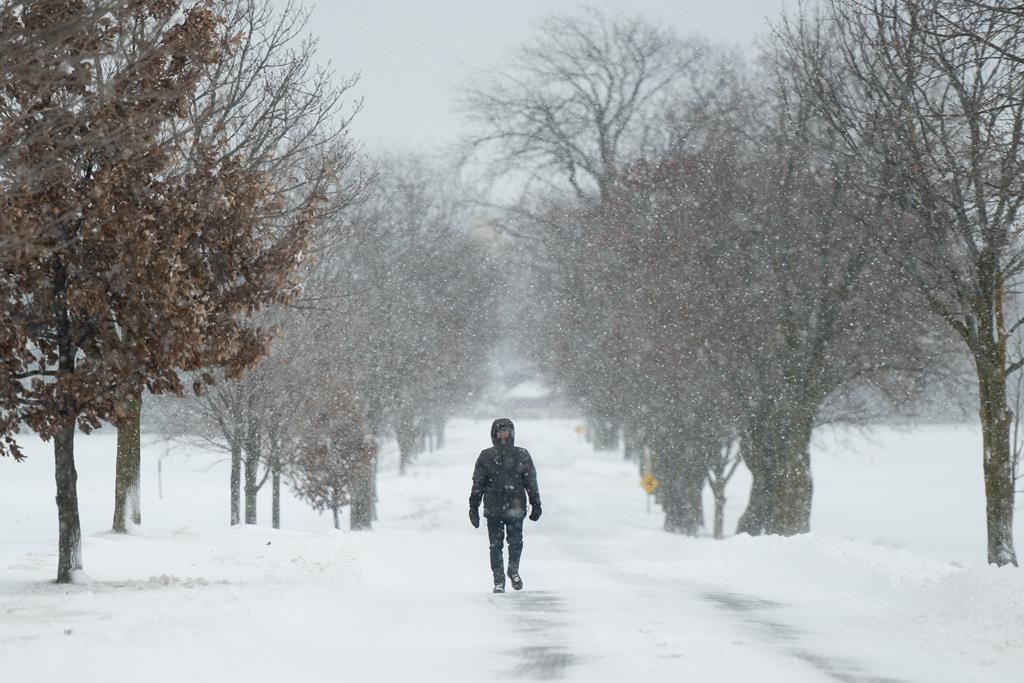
[649,483]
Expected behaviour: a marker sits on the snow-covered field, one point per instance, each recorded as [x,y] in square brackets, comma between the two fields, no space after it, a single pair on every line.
[891,586]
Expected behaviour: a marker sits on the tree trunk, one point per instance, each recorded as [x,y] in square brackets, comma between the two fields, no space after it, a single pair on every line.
[275,488]
[373,497]
[252,467]
[681,473]
[671,497]
[361,507]
[374,422]
[406,437]
[363,487]
[69,557]
[721,467]
[605,434]
[127,471]
[251,448]
[719,492]
[69,539]
[236,483]
[632,446]
[778,456]
[996,420]
[439,424]
[792,485]
[998,469]
[337,517]
[683,510]
[754,520]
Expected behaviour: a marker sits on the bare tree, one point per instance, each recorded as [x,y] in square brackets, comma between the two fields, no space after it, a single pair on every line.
[590,93]
[939,119]
[392,322]
[580,98]
[413,293]
[728,294]
[259,417]
[994,24]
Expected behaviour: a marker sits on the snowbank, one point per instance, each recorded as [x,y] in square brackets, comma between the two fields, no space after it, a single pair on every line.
[891,586]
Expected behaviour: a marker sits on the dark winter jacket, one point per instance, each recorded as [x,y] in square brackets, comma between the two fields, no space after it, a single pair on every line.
[504,477]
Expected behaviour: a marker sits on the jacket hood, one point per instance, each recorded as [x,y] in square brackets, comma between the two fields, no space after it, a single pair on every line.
[503,422]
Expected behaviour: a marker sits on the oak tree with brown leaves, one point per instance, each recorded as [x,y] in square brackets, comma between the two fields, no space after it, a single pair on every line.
[268,104]
[127,268]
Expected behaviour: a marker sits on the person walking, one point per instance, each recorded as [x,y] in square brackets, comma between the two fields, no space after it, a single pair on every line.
[504,478]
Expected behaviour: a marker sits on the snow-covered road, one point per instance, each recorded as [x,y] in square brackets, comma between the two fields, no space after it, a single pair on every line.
[608,597]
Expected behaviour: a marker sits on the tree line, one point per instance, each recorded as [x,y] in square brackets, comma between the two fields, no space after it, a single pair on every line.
[727,253]
[184,212]
[711,255]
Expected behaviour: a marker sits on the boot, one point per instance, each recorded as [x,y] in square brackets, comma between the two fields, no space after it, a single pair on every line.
[515,552]
[499,586]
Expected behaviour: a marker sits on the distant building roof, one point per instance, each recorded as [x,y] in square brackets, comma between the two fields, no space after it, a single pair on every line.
[528,390]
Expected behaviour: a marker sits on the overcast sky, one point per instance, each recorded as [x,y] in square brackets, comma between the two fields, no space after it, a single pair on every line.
[412,54]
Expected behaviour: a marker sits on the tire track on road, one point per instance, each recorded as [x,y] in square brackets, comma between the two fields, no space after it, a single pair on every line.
[538,614]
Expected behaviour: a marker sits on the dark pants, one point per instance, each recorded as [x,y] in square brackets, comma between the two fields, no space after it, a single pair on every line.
[497,528]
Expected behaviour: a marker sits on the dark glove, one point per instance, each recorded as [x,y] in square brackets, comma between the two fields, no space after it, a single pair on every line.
[535,512]
[474,517]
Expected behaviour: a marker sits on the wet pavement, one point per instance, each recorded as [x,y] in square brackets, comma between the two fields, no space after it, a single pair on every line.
[542,616]
[755,614]
[539,614]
